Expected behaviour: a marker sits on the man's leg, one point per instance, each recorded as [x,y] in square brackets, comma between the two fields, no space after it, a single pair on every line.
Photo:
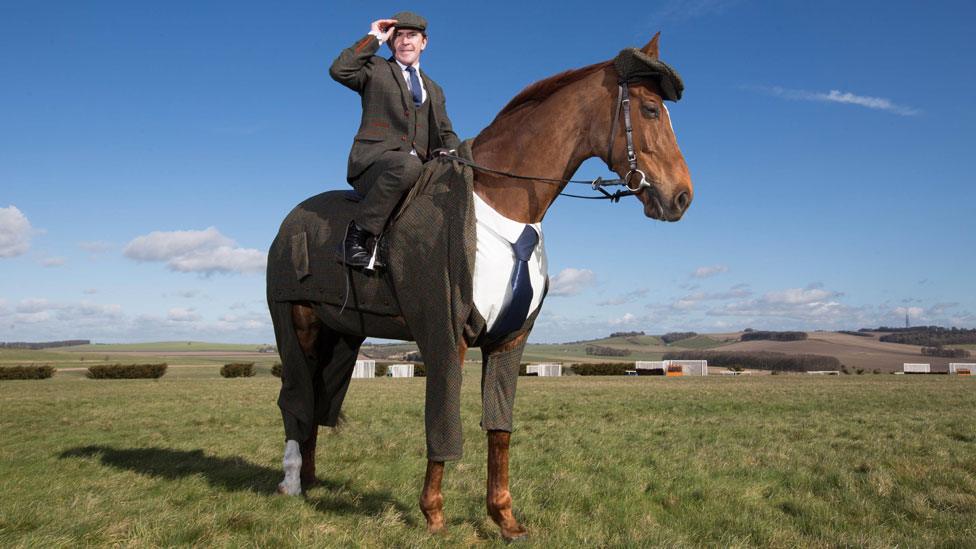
[382,185]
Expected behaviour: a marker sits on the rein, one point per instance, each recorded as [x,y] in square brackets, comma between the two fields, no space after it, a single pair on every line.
[623,104]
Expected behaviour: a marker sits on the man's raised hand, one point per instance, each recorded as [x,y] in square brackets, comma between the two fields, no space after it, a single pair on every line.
[383,28]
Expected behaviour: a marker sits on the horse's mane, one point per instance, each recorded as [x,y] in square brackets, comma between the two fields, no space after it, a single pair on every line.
[548,86]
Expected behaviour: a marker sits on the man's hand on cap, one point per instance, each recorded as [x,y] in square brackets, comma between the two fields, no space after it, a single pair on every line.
[382,28]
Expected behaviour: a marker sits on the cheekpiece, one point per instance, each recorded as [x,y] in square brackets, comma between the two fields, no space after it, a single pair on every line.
[410,20]
[633,64]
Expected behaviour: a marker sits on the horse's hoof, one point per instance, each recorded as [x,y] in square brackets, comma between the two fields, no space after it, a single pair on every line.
[286,489]
[516,534]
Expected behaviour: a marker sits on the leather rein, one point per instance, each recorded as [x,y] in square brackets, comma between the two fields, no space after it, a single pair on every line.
[598,184]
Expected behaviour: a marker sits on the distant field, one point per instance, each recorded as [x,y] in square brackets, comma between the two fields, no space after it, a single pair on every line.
[83,359]
[165,346]
[771,461]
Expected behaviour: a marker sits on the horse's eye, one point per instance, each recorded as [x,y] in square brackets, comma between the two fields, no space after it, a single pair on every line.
[650,110]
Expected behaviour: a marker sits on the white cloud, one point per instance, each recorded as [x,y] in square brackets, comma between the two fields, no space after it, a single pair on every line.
[571,281]
[179,314]
[53,261]
[206,251]
[15,232]
[90,291]
[712,270]
[628,318]
[837,96]
[40,319]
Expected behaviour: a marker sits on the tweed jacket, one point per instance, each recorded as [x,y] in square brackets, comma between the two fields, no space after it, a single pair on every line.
[386,123]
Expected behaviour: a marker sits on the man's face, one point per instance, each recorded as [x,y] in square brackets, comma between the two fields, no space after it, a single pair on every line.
[407,45]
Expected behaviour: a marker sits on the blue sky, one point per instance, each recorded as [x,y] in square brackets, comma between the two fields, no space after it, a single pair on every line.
[150,150]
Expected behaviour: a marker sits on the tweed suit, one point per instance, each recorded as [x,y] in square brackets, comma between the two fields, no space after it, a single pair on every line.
[380,164]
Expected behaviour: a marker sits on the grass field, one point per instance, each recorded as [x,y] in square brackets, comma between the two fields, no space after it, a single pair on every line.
[778,461]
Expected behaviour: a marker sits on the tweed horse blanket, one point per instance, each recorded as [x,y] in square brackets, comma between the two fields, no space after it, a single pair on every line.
[425,294]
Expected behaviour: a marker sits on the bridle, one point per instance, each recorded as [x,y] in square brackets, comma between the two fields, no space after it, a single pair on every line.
[623,104]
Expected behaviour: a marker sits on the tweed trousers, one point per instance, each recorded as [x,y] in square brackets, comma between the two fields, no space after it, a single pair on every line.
[382,185]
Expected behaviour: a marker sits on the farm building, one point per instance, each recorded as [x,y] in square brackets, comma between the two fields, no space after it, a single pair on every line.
[672,367]
[962,368]
[547,369]
[364,369]
[912,368]
[400,370]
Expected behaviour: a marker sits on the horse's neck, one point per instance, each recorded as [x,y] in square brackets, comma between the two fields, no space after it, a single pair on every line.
[548,139]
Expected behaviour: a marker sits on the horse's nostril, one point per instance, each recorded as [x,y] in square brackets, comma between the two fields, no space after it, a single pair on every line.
[681,201]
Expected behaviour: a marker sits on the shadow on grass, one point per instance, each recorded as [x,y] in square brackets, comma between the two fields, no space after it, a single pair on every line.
[236,475]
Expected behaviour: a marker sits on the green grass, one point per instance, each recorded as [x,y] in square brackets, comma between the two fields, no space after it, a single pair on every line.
[777,461]
[77,359]
[698,342]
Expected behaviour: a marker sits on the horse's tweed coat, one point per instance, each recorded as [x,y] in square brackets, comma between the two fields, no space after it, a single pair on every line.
[425,295]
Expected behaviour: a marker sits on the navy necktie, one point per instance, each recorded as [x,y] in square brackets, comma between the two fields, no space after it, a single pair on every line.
[514,315]
[418,96]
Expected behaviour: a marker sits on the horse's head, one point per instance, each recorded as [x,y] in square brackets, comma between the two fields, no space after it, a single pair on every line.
[661,172]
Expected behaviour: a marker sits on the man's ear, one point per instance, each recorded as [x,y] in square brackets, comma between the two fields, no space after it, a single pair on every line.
[423,43]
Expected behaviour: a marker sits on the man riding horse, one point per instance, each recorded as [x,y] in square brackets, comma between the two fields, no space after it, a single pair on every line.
[404,124]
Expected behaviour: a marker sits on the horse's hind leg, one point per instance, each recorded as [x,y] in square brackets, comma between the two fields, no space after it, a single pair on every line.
[330,357]
[299,459]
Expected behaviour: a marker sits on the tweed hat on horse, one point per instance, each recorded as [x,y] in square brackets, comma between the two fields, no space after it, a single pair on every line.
[633,64]
[410,20]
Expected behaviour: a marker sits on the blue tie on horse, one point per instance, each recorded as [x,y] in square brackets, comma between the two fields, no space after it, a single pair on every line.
[418,97]
[515,314]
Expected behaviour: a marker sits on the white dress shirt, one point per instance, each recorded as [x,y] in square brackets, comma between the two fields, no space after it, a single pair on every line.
[495,260]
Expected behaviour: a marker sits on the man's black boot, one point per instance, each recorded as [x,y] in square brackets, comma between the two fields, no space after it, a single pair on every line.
[354,251]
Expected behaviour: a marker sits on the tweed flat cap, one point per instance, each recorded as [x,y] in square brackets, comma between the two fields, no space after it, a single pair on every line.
[410,20]
[633,64]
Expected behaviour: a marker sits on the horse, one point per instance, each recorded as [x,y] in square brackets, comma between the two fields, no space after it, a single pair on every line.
[522,162]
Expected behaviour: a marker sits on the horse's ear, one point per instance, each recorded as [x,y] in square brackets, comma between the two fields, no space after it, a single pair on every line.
[651,48]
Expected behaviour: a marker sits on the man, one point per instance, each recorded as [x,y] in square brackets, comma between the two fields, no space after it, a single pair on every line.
[404,124]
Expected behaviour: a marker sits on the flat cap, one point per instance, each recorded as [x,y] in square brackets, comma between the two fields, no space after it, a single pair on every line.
[633,64]
[410,20]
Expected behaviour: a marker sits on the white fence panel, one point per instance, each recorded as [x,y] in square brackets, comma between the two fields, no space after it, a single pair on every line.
[400,370]
[547,369]
[915,368]
[964,368]
[365,369]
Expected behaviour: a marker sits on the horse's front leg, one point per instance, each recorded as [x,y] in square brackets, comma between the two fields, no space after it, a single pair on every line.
[499,377]
[499,497]
[431,498]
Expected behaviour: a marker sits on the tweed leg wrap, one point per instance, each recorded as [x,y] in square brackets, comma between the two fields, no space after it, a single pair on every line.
[499,375]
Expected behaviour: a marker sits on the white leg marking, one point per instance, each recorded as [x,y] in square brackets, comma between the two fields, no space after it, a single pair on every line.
[292,484]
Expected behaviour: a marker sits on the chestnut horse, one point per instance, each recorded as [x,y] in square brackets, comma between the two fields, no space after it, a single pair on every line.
[547,131]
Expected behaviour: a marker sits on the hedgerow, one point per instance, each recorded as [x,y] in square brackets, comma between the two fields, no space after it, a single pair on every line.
[602,369]
[773,336]
[126,371]
[276,369]
[237,369]
[671,337]
[26,371]
[945,353]
[760,360]
[932,336]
